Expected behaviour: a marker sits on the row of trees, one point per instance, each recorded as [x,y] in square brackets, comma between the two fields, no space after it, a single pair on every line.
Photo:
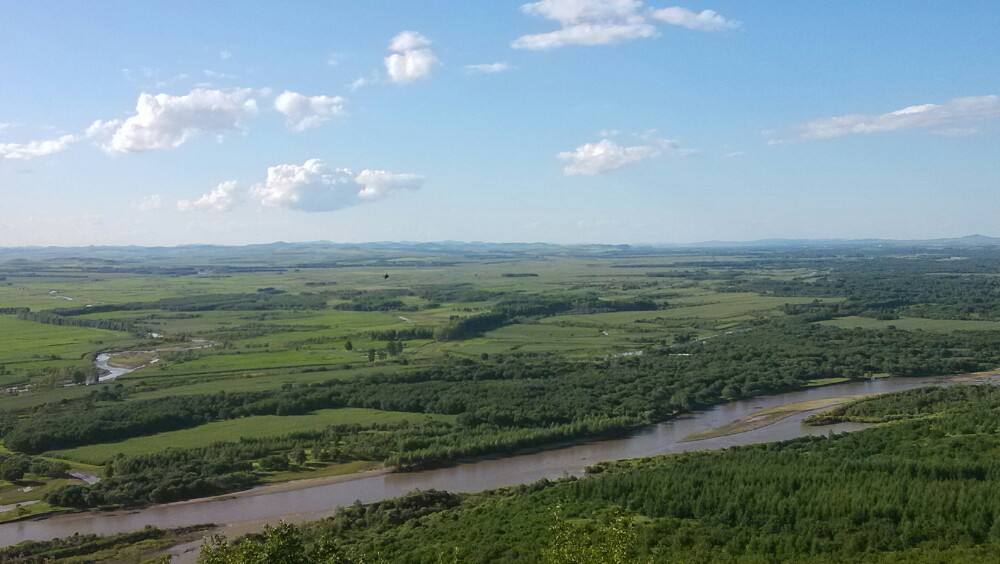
[512,308]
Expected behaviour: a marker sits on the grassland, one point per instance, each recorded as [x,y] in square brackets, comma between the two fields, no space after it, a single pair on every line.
[234,429]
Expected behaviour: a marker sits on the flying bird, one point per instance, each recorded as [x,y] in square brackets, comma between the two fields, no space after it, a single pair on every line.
[386,277]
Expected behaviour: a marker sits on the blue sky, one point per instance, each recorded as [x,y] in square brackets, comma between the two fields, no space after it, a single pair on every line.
[559,120]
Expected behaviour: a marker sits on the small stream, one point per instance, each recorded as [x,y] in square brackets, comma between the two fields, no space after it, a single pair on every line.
[107,372]
[246,513]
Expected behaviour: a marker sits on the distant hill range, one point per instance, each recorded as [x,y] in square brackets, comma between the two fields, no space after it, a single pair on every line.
[951,242]
[317,253]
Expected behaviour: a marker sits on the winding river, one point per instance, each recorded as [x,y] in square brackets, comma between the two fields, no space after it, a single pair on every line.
[251,510]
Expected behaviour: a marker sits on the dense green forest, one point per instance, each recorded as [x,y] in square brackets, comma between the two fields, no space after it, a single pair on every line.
[929,286]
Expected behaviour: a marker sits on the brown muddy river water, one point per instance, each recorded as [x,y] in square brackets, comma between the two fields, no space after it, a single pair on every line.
[237,515]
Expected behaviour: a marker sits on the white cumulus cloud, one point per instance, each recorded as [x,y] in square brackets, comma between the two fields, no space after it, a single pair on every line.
[223,197]
[164,121]
[410,59]
[705,20]
[957,114]
[488,68]
[605,22]
[315,187]
[305,112]
[35,149]
[605,155]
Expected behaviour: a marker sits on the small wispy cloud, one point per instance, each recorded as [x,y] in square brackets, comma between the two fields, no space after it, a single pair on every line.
[958,116]
[150,203]
[603,156]
[35,149]
[488,68]
[606,22]
[216,75]
[705,20]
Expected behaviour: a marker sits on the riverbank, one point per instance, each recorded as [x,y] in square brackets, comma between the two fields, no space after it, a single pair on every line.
[766,417]
[977,377]
[289,486]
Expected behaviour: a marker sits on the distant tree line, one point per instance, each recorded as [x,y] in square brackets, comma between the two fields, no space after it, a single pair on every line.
[51,318]
[257,301]
[402,334]
[510,309]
